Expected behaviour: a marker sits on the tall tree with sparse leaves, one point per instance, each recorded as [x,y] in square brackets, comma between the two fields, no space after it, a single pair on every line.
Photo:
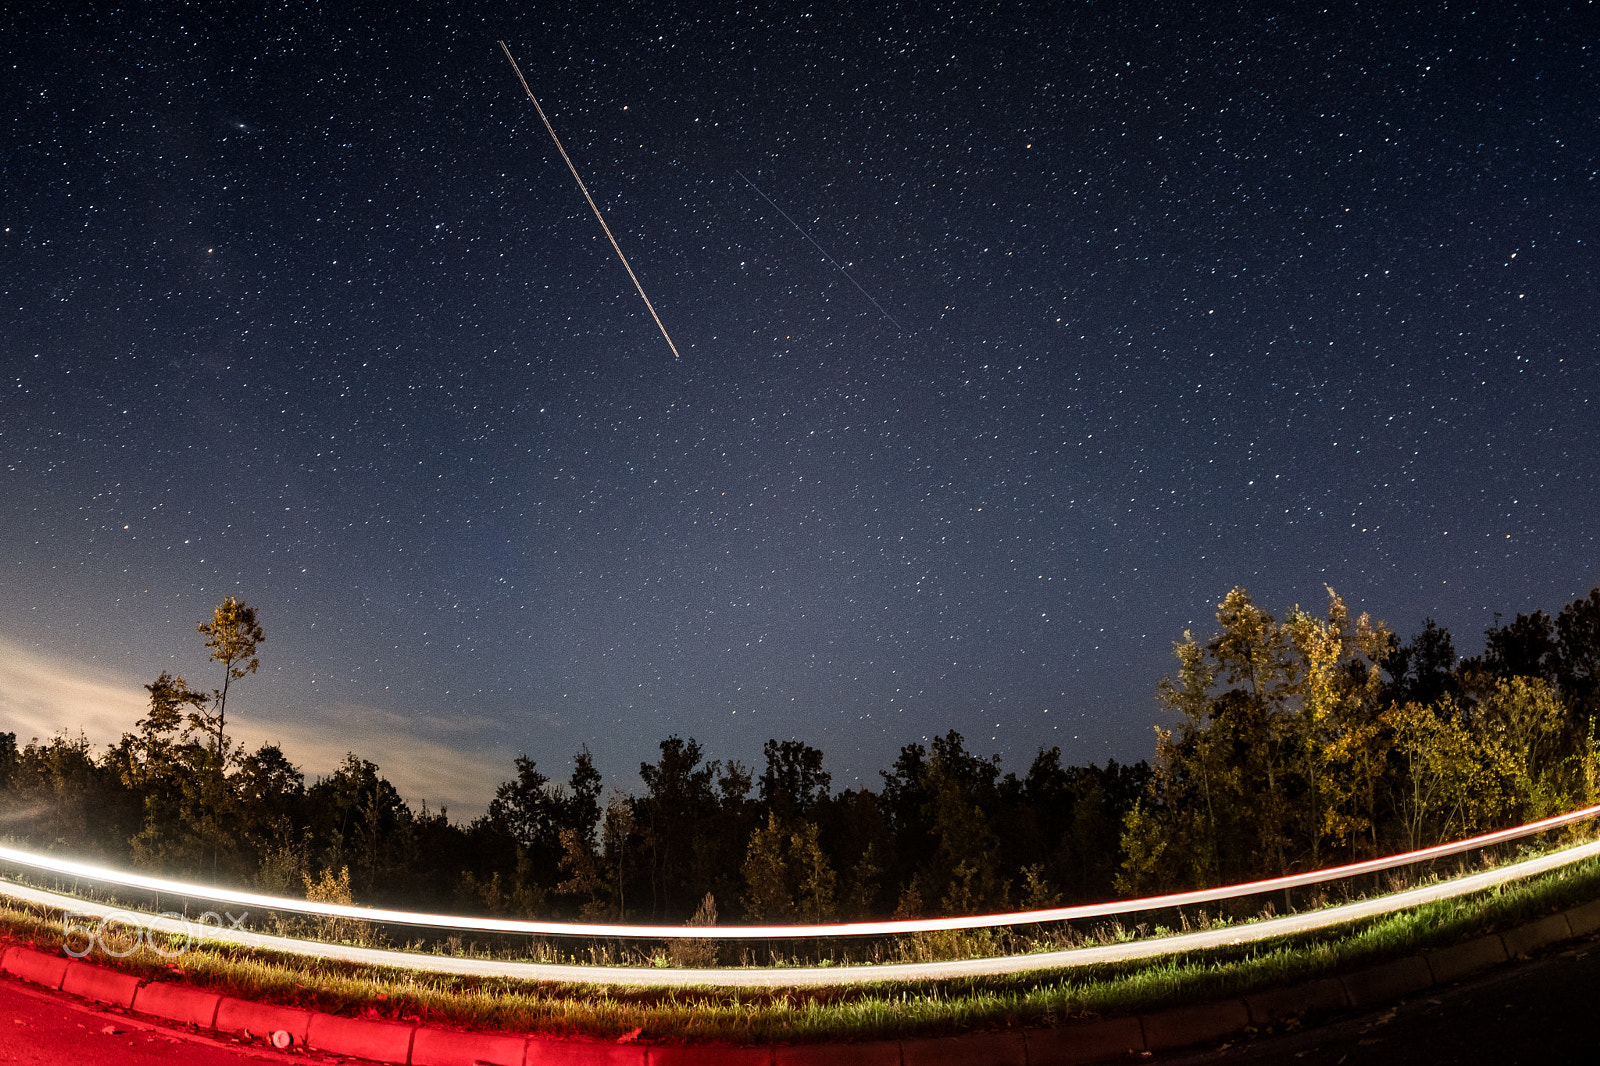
[232,635]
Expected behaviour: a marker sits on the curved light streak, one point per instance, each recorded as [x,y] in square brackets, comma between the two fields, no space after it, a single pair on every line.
[105,875]
[814,976]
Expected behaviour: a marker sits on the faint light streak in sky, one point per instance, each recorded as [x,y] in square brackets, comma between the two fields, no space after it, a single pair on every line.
[821,249]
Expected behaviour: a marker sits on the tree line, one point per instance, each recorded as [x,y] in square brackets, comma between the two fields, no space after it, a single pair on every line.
[1321,737]
[1293,743]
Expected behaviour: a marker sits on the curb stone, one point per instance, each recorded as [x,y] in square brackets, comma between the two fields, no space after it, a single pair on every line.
[583,1053]
[247,1016]
[873,1053]
[1585,919]
[178,1003]
[1391,980]
[1275,1004]
[1071,1045]
[1459,960]
[35,966]
[1524,940]
[1004,1048]
[361,1037]
[100,984]
[711,1054]
[1183,1026]
[449,1047]
[1075,1045]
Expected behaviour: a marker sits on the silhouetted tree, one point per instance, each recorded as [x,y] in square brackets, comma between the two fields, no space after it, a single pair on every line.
[1578,670]
[9,759]
[166,768]
[1525,647]
[1423,670]
[857,837]
[671,816]
[270,794]
[904,804]
[232,635]
[794,782]
[356,818]
[59,797]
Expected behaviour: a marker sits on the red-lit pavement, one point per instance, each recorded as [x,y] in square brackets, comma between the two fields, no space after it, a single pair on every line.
[49,1029]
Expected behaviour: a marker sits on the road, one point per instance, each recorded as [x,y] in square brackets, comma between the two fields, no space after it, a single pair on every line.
[49,1029]
[1542,1011]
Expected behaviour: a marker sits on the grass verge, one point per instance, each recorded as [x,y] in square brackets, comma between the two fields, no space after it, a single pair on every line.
[804,1015]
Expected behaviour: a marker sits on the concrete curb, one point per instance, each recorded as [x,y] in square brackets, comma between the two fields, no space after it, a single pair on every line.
[100,984]
[1524,940]
[1007,1048]
[35,966]
[1086,1042]
[583,1053]
[1182,1026]
[1464,957]
[1075,1044]
[1275,1004]
[1391,980]
[361,1037]
[178,1003]
[1458,960]
[448,1047]
[245,1016]
[1585,919]
[711,1054]
[876,1053]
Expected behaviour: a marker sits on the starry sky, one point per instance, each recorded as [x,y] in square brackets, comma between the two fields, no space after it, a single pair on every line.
[1012,336]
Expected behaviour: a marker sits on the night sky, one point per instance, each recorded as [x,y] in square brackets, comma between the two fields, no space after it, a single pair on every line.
[1083,314]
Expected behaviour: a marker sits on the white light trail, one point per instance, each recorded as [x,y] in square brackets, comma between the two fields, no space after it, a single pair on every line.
[797,977]
[84,871]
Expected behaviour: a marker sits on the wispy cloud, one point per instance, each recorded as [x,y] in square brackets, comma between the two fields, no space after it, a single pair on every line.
[40,697]
[427,759]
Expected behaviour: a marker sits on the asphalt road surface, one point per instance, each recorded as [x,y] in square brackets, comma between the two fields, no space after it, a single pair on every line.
[1543,1011]
[52,1030]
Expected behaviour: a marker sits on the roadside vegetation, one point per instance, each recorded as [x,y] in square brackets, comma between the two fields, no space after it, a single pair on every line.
[798,1015]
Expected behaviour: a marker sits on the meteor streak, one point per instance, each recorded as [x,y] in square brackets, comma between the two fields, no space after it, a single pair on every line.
[592,205]
[821,249]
